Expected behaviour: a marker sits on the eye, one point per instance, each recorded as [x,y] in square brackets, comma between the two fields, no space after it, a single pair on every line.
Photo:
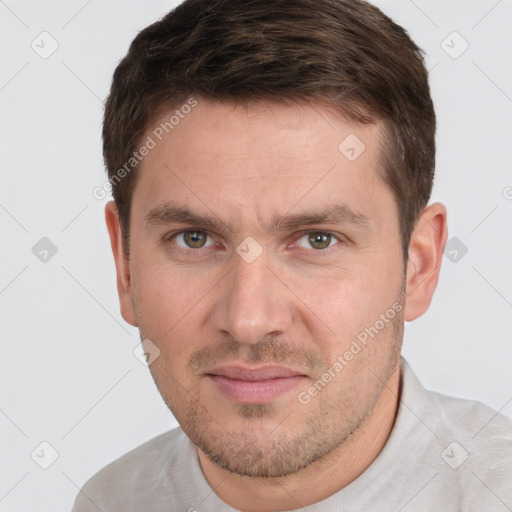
[317,240]
[192,239]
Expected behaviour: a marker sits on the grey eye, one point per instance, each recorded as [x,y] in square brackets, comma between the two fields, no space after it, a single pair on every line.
[192,239]
[317,240]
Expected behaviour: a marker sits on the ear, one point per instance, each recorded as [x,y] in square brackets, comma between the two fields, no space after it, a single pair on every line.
[122,264]
[424,264]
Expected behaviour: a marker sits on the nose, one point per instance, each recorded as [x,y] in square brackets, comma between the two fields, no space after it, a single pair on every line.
[252,302]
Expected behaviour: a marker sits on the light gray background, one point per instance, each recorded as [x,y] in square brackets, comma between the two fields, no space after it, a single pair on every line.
[68,375]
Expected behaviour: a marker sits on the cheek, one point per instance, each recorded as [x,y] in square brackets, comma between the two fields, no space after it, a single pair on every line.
[171,305]
[349,304]
[161,298]
[342,304]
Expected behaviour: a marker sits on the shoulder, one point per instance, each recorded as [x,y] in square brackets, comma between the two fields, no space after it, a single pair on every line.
[450,416]
[119,485]
[474,446]
[481,443]
[473,421]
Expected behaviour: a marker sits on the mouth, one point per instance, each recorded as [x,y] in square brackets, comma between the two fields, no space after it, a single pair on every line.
[254,385]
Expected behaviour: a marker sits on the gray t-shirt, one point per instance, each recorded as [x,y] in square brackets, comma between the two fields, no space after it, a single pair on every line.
[443,454]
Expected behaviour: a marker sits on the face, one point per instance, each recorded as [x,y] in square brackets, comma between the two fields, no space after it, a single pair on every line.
[266,266]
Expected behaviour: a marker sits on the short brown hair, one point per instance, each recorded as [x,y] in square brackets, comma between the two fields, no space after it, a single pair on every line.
[345,52]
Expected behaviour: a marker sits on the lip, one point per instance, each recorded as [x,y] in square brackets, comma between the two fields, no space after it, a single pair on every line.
[254,385]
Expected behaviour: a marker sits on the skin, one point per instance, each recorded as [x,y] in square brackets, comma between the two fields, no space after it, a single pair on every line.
[299,304]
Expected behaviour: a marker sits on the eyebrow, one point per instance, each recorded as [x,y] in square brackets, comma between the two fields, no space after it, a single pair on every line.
[168,213]
[336,214]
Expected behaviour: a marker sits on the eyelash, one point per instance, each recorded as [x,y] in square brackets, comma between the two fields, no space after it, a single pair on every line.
[312,252]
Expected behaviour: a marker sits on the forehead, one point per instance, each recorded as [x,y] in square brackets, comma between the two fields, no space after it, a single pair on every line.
[299,129]
[262,158]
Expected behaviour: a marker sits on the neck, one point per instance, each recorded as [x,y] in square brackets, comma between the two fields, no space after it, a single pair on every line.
[321,479]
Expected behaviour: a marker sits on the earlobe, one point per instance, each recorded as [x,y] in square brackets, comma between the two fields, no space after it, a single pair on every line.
[424,263]
[124,288]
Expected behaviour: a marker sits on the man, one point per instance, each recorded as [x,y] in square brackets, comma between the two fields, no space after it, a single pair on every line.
[271,164]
